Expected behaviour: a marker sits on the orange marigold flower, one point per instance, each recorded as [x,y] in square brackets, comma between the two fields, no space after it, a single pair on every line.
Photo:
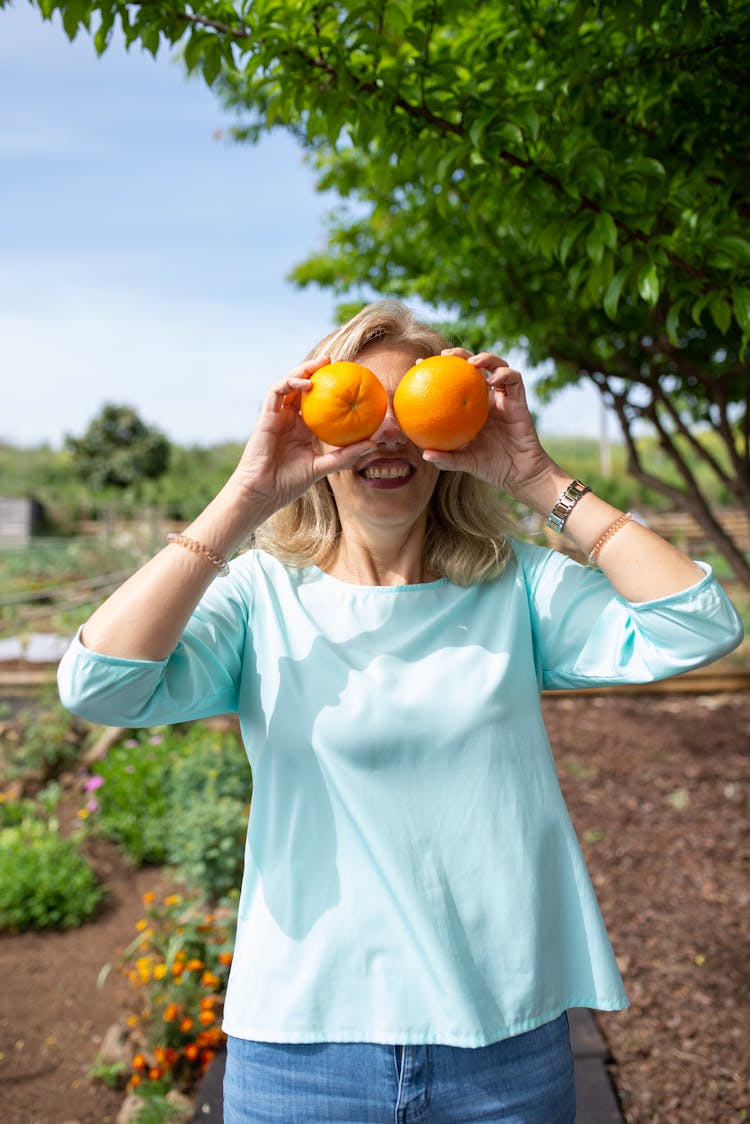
[171,1011]
[135,1081]
[170,1056]
[213,1037]
[155,1072]
[208,979]
[139,1062]
[195,965]
[207,1057]
[225,958]
[178,968]
[205,1018]
[148,897]
[186,1024]
[191,1051]
[132,1020]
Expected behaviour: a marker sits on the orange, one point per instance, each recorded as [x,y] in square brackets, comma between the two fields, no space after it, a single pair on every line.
[347,403]
[442,402]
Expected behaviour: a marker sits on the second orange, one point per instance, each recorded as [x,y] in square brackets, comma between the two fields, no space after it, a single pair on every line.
[442,402]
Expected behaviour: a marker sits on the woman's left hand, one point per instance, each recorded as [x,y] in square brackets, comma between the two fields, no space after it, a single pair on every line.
[506,452]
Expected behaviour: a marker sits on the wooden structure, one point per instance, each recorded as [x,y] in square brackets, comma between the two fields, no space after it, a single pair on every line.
[20,518]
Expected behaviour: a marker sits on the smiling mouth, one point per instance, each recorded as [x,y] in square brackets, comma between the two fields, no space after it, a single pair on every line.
[388,472]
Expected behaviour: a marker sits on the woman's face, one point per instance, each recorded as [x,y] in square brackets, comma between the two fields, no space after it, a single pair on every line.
[391,486]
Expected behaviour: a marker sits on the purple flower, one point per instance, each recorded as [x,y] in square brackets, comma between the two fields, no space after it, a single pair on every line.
[92,805]
[93,783]
[157,739]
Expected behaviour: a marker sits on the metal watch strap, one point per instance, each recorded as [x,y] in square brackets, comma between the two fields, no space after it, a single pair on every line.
[567,501]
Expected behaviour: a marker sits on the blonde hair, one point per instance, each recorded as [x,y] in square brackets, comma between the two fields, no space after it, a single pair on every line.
[465,538]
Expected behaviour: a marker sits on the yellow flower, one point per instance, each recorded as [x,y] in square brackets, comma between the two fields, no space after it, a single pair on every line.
[143,967]
[83,813]
[173,899]
[160,971]
[141,925]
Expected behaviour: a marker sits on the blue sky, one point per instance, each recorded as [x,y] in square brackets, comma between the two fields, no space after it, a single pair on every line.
[143,260]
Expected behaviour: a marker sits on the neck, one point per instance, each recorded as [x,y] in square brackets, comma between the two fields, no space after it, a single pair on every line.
[395,559]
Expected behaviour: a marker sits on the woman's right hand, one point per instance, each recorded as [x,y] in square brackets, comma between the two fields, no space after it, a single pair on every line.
[282,458]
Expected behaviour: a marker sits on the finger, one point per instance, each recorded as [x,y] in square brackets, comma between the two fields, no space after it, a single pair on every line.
[286,391]
[505,379]
[488,361]
[460,351]
[448,462]
[335,460]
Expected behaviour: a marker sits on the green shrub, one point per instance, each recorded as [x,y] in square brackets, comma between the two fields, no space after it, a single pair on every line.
[206,759]
[179,795]
[46,741]
[133,801]
[44,882]
[207,843]
[210,786]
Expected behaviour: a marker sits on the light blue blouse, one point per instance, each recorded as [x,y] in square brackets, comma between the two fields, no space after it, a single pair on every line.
[411,872]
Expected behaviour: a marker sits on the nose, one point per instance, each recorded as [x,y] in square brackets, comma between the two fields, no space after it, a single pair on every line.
[389,433]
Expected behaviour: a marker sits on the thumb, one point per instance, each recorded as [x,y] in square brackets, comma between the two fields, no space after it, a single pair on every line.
[336,460]
[448,462]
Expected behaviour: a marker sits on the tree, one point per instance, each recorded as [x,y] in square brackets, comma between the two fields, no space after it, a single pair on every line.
[571,176]
[119,450]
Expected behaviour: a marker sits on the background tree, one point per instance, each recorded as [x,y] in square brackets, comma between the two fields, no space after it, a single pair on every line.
[119,450]
[568,176]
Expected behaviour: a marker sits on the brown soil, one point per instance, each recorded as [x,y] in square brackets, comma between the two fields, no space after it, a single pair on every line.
[658,787]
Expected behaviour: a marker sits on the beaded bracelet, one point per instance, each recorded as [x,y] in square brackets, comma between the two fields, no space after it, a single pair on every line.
[220,563]
[610,533]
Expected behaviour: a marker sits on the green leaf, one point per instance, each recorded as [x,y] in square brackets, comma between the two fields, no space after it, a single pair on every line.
[614,292]
[576,228]
[672,324]
[721,312]
[734,247]
[648,284]
[594,245]
[741,303]
[605,226]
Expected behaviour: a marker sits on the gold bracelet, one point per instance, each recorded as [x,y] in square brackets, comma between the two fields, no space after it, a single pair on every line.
[220,563]
[608,534]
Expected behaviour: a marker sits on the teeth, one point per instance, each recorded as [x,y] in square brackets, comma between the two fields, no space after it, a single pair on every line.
[387,472]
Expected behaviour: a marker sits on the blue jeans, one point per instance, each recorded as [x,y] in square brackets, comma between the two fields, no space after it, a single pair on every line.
[527,1079]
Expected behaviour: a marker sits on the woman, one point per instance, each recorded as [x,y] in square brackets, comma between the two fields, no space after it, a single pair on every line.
[415,916]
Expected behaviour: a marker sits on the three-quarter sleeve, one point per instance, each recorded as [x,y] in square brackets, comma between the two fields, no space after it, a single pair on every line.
[200,678]
[587,635]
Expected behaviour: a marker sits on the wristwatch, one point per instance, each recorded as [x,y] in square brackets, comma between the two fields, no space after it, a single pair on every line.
[567,501]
